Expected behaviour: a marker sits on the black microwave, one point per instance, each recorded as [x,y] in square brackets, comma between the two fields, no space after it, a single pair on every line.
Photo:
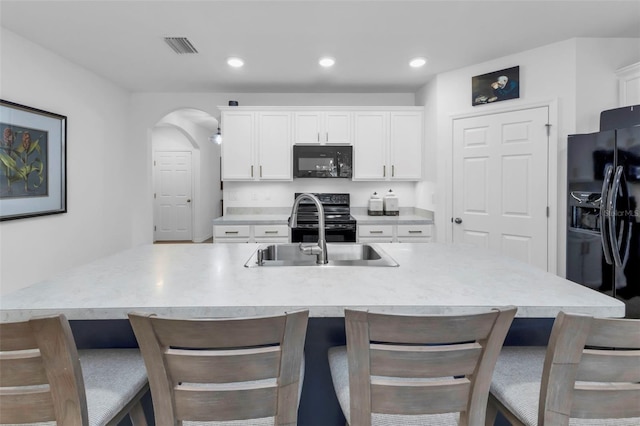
[322,161]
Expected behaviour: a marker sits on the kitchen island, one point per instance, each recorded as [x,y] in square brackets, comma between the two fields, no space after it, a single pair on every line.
[211,280]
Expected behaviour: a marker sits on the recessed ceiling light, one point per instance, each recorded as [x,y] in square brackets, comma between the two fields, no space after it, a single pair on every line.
[235,62]
[327,62]
[417,62]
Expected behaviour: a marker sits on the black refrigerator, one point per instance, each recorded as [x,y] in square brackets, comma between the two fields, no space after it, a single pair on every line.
[603,214]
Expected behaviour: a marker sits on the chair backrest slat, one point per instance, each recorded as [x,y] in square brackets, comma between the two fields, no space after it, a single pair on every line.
[17,336]
[23,368]
[27,406]
[382,349]
[430,329]
[223,366]
[409,398]
[614,401]
[222,333]
[200,369]
[614,332]
[609,366]
[41,352]
[248,402]
[424,361]
[600,381]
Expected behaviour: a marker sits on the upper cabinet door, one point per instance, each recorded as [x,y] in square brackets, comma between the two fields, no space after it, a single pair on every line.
[237,146]
[370,145]
[322,127]
[307,127]
[274,146]
[405,145]
[337,128]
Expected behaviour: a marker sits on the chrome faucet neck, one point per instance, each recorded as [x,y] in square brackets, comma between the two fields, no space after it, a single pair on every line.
[293,222]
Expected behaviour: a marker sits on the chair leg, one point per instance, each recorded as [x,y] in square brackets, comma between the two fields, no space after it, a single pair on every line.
[137,415]
[492,412]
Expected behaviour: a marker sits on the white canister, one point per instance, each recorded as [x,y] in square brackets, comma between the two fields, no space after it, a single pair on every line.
[391,205]
[375,205]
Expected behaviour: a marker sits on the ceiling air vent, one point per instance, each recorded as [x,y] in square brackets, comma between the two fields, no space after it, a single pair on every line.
[180,45]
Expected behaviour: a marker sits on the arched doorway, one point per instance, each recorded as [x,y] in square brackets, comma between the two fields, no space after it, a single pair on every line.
[186,176]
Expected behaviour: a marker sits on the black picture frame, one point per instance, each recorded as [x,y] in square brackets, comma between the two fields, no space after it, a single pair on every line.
[495,86]
[33,162]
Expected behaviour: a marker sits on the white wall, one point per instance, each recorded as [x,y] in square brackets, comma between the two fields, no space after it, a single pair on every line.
[149,108]
[99,167]
[578,75]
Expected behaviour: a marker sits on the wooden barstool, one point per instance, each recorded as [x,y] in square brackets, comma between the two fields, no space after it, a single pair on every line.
[417,370]
[589,374]
[224,369]
[43,377]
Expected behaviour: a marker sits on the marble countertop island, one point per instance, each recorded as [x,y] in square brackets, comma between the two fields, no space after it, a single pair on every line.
[211,280]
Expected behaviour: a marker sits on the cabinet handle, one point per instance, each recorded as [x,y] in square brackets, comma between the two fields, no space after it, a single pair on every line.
[327,136]
[384,171]
[318,136]
[375,232]
[415,232]
[393,170]
[261,171]
[230,232]
[270,232]
[251,171]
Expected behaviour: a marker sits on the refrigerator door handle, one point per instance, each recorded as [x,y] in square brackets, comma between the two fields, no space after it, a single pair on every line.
[619,243]
[605,218]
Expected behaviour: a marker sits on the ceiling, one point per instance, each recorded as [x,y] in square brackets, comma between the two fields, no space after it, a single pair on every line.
[281,41]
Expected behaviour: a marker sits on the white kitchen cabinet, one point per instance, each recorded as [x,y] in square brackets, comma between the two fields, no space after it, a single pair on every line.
[271,233]
[388,145]
[256,145]
[375,233]
[231,233]
[405,145]
[274,146]
[370,143]
[322,127]
[250,233]
[414,233]
[238,143]
[395,233]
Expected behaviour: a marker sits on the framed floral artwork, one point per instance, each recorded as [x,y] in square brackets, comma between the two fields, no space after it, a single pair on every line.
[33,168]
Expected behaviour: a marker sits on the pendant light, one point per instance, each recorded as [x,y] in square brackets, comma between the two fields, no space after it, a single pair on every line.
[216,137]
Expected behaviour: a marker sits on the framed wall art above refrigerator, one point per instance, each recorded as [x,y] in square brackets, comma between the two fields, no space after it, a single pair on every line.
[495,86]
[33,175]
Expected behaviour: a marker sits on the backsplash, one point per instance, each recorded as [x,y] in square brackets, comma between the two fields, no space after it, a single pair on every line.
[281,194]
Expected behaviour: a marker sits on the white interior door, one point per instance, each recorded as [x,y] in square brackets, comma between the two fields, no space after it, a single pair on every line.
[500,183]
[173,196]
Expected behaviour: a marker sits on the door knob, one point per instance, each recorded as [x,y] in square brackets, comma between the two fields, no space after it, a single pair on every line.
[188,200]
[458,220]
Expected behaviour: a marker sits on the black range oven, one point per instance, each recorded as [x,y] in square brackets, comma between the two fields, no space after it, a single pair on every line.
[340,226]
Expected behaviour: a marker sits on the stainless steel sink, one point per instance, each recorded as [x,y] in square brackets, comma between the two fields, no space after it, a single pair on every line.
[339,254]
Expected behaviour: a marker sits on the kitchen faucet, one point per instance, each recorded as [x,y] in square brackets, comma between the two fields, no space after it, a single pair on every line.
[319,250]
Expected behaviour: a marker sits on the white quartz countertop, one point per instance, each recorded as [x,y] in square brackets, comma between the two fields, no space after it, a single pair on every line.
[211,280]
[402,219]
[252,219]
[282,219]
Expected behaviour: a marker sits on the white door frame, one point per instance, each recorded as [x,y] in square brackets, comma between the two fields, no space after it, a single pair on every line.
[556,208]
[155,188]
